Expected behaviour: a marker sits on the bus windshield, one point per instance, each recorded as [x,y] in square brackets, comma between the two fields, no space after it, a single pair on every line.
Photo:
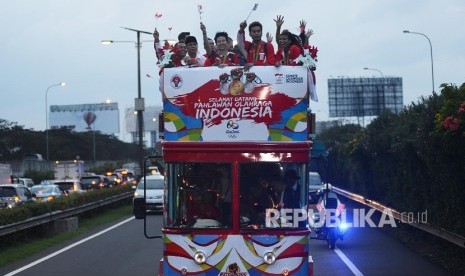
[200,195]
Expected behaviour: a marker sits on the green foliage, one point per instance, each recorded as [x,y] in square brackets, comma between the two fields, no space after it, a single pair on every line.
[451,117]
[9,216]
[64,144]
[408,161]
[38,176]
[107,167]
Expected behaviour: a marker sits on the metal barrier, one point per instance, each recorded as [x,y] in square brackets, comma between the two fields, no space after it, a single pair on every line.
[437,231]
[45,218]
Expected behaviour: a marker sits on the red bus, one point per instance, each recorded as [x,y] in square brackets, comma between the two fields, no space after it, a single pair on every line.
[236,148]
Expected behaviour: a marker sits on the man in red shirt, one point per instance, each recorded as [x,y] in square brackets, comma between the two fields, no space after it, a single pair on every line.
[258,52]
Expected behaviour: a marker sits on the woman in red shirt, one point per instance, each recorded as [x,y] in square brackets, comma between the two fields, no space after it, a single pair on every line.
[289,49]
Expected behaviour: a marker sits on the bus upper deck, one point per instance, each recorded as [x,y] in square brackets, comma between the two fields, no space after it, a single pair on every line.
[236,148]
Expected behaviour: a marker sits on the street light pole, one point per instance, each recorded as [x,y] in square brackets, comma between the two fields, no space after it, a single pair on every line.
[366,68]
[139,105]
[431,52]
[46,114]
[384,87]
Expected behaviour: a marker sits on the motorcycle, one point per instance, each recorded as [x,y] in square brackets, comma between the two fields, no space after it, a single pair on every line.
[324,221]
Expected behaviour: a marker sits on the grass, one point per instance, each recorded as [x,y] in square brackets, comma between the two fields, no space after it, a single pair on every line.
[18,250]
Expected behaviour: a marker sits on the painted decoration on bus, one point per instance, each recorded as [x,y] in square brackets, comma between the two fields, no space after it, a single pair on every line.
[235,255]
[228,104]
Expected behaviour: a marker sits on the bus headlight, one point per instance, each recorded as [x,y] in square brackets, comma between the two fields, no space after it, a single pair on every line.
[269,258]
[199,257]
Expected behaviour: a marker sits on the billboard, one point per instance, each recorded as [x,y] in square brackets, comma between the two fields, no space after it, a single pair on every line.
[103,117]
[150,116]
[359,97]
[226,104]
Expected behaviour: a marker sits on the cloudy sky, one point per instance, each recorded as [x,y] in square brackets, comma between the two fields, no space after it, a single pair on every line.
[50,41]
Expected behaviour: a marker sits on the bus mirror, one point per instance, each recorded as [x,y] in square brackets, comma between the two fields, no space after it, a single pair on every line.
[139,208]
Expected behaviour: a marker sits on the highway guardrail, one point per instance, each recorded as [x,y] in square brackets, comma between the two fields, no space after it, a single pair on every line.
[437,231]
[56,215]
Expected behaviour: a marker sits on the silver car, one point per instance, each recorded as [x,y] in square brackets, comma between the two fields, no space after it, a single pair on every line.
[12,195]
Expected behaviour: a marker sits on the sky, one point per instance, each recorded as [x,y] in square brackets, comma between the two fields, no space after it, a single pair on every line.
[51,41]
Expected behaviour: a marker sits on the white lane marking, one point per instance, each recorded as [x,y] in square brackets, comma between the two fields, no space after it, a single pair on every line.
[67,248]
[349,264]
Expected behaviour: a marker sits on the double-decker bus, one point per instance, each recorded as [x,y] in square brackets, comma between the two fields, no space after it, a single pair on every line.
[235,146]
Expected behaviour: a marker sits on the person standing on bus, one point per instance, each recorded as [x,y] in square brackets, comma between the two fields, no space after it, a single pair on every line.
[258,52]
[289,49]
[222,57]
[193,57]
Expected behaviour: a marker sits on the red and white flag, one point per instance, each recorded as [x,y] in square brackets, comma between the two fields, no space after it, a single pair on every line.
[158,15]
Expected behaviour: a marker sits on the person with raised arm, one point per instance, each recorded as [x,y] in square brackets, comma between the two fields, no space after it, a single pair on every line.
[258,52]
[222,57]
[289,49]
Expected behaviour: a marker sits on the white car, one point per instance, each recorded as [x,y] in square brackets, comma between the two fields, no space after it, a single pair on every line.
[26,182]
[154,192]
[69,185]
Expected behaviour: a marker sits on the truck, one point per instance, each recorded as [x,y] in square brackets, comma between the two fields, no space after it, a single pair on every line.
[72,169]
[5,173]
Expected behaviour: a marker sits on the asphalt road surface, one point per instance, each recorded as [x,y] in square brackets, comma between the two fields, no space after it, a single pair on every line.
[122,249]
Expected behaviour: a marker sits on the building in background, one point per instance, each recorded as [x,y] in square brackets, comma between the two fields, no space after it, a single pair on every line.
[364,97]
[150,126]
[102,117]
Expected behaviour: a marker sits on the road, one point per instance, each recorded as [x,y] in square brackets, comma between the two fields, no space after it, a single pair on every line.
[124,250]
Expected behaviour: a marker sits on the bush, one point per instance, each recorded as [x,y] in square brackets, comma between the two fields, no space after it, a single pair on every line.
[10,216]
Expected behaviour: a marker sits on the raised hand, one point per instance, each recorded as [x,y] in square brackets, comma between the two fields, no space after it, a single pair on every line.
[203,28]
[302,26]
[309,33]
[243,25]
[269,38]
[279,20]
[156,34]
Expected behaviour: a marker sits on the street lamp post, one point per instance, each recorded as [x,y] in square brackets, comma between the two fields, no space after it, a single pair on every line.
[46,114]
[93,140]
[431,52]
[139,101]
[366,68]
[384,87]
